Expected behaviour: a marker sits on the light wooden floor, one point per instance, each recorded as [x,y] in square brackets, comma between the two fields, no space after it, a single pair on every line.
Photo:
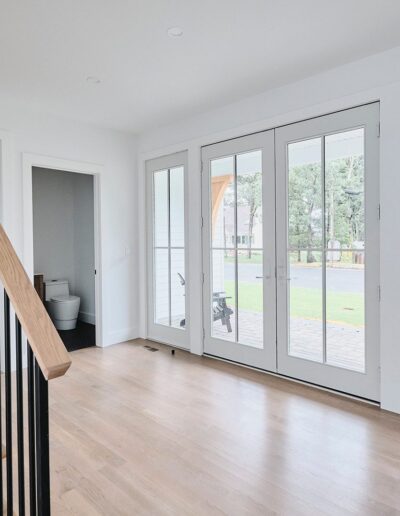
[141,433]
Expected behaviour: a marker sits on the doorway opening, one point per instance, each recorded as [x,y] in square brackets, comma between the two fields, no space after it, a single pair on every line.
[64,252]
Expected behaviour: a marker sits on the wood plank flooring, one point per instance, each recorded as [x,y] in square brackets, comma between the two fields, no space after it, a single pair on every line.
[135,432]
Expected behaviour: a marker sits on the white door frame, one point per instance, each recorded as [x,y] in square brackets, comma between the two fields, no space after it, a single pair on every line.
[64,165]
[366,385]
[159,333]
[264,358]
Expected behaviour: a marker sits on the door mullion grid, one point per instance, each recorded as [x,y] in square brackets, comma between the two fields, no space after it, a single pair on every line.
[236,255]
[323,209]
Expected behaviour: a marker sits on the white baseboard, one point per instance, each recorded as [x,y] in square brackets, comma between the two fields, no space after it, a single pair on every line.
[87,317]
[118,336]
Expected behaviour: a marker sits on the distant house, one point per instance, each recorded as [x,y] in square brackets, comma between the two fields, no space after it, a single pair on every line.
[243,238]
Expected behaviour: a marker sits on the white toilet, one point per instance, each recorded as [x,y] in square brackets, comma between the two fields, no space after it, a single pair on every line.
[62,307]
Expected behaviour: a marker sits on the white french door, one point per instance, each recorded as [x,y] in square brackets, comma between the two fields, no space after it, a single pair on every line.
[291,250]
[167,307]
[239,250]
[328,250]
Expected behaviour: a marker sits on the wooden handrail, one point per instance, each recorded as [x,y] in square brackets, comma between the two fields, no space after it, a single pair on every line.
[46,344]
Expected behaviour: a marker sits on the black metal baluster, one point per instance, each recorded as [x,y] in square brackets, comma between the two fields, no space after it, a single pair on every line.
[1,426]
[20,419]
[7,359]
[31,431]
[42,443]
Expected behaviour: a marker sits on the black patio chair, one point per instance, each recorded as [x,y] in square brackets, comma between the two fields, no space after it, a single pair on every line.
[221,311]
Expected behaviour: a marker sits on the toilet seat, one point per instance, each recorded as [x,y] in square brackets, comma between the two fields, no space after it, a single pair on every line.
[64,299]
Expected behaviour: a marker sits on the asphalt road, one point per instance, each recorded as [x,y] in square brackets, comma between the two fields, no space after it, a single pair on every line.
[339,280]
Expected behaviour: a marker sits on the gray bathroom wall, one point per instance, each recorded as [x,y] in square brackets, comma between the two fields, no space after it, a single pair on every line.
[63,232]
[84,265]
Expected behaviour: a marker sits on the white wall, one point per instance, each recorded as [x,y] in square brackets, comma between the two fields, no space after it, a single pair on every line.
[30,131]
[53,224]
[374,78]
[63,231]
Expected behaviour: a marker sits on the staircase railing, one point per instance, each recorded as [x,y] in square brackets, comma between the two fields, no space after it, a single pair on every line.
[47,358]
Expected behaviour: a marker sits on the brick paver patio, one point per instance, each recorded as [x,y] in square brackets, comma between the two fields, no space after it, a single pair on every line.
[345,344]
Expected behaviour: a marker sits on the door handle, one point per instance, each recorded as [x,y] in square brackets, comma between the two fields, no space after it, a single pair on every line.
[282,273]
[267,269]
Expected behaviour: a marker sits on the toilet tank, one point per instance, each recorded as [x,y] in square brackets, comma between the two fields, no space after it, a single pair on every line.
[56,288]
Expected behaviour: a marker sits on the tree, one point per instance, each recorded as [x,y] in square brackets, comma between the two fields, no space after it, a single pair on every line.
[305,209]
[344,204]
[345,200]
[249,193]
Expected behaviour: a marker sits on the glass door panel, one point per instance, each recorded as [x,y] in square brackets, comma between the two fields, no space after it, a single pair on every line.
[305,291]
[250,283]
[167,314]
[328,194]
[161,208]
[345,249]
[177,207]
[306,335]
[223,300]
[222,201]
[239,293]
[178,302]
[161,287]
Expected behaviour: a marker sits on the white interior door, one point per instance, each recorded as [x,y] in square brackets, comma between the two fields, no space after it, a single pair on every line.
[239,250]
[167,310]
[328,250]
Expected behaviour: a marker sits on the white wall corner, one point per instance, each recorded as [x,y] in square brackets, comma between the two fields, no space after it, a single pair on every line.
[119,336]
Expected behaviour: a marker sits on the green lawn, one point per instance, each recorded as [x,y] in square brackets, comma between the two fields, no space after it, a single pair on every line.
[342,307]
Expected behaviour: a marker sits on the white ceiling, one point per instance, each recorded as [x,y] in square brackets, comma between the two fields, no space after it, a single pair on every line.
[230,49]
